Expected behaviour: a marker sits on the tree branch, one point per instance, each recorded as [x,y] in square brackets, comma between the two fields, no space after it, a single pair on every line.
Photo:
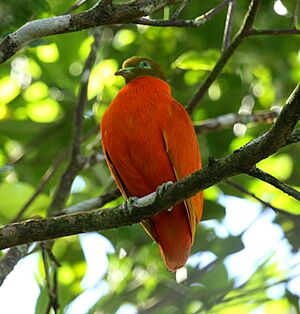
[100,14]
[295,14]
[75,6]
[230,119]
[10,260]
[263,32]
[51,288]
[242,33]
[77,162]
[44,180]
[228,24]
[92,203]
[294,137]
[198,22]
[266,177]
[181,7]
[170,23]
[241,189]
[143,208]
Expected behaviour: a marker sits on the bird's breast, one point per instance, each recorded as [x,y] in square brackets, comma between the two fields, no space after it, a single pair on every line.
[133,136]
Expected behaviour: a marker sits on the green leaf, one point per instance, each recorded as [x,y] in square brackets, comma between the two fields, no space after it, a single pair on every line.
[19,193]
[194,60]
[212,210]
[22,129]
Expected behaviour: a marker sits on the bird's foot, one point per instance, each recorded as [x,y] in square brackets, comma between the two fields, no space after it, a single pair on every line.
[212,160]
[162,188]
[128,204]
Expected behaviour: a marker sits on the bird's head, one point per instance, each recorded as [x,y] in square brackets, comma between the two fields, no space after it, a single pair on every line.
[139,66]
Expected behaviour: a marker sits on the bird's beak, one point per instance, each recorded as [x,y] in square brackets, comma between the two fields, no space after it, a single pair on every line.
[124,72]
[120,72]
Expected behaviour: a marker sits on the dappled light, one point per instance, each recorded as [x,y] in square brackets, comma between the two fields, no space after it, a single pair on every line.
[54,91]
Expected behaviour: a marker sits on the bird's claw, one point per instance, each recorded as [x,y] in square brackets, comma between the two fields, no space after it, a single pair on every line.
[127,205]
[162,188]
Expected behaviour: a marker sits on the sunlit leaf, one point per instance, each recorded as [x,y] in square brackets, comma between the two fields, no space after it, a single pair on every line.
[47,53]
[47,110]
[10,206]
[9,89]
[194,60]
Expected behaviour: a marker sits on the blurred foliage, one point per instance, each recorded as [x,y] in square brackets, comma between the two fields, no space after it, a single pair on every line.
[38,93]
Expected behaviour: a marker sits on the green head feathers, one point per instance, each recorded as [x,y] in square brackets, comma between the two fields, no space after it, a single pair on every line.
[140,66]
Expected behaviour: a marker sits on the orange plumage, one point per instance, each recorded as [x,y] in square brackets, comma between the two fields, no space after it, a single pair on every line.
[148,139]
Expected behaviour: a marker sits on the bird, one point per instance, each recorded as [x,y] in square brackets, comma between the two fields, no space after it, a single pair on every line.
[148,139]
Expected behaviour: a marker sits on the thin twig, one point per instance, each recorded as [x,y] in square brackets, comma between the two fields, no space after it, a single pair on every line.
[75,6]
[77,162]
[240,188]
[266,177]
[226,55]
[198,22]
[230,119]
[52,290]
[264,32]
[45,179]
[10,260]
[54,127]
[170,23]
[228,24]
[208,15]
[92,203]
[295,14]
[180,8]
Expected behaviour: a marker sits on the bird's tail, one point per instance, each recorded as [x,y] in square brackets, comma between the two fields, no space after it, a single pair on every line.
[171,230]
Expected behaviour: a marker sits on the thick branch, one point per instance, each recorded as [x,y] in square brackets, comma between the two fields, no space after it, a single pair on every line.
[145,207]
[100,14]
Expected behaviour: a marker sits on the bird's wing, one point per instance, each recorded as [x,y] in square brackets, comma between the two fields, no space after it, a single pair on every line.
[122,187]
[115,174]
[183,151]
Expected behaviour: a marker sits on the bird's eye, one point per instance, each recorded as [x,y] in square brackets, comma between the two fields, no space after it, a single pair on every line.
[145,64]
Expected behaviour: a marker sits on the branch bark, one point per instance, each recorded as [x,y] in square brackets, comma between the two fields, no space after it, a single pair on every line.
[100,14]
[143,208]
